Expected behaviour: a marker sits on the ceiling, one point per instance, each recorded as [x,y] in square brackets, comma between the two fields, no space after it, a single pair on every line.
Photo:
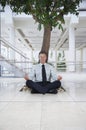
[28,35]
[28,29]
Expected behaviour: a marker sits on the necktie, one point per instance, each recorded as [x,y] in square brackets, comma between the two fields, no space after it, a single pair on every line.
[43,74]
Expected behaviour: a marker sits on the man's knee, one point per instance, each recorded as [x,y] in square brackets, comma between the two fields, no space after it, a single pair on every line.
[27,83]
[59,83]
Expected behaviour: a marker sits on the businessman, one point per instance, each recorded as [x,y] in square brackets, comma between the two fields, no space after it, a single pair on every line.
[43,78]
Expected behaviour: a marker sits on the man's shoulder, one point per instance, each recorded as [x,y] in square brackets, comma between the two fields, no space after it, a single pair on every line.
[36,65]
[49,65]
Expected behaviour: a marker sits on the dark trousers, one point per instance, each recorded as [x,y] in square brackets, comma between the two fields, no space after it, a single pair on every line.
[41,88]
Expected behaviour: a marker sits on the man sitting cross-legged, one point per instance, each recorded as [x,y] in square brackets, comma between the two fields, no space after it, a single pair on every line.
[40,78]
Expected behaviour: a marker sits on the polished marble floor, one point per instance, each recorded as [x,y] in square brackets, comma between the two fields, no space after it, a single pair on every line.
[26,111]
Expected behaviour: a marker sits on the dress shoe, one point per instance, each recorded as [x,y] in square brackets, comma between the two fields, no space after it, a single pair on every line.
[53,91]
[33,91]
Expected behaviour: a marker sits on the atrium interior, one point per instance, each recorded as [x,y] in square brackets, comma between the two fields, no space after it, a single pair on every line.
[20,44]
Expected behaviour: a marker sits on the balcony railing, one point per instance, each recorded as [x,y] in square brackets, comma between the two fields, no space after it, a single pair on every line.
[9,64]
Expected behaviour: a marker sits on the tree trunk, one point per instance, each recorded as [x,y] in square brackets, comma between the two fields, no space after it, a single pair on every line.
[46,39]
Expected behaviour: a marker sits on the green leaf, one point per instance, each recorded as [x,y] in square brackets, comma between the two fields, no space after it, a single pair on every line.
[46,12]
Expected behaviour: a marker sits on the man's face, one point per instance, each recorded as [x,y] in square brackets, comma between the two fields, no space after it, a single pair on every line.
[42,58]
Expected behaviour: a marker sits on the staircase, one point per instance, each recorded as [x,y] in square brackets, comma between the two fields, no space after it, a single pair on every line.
[9,67]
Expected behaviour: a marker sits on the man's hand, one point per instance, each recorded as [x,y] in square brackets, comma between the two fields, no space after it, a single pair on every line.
[26,77]
[59,77]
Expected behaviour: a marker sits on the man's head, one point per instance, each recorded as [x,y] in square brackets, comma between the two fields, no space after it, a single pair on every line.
[42,57]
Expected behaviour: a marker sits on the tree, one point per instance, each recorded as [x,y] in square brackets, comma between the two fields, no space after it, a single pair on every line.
[49,13]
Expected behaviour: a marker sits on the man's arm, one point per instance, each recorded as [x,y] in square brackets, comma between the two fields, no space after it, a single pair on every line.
[31,75]
[54,74]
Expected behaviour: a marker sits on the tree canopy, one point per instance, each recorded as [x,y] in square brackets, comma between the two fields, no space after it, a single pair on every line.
[45,12]
[49,13]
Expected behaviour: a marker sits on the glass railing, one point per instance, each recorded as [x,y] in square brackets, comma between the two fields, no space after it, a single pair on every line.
[11,64]
[26,67]
[14,68]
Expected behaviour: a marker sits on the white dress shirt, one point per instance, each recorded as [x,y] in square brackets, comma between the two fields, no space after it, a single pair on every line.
[36,73]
